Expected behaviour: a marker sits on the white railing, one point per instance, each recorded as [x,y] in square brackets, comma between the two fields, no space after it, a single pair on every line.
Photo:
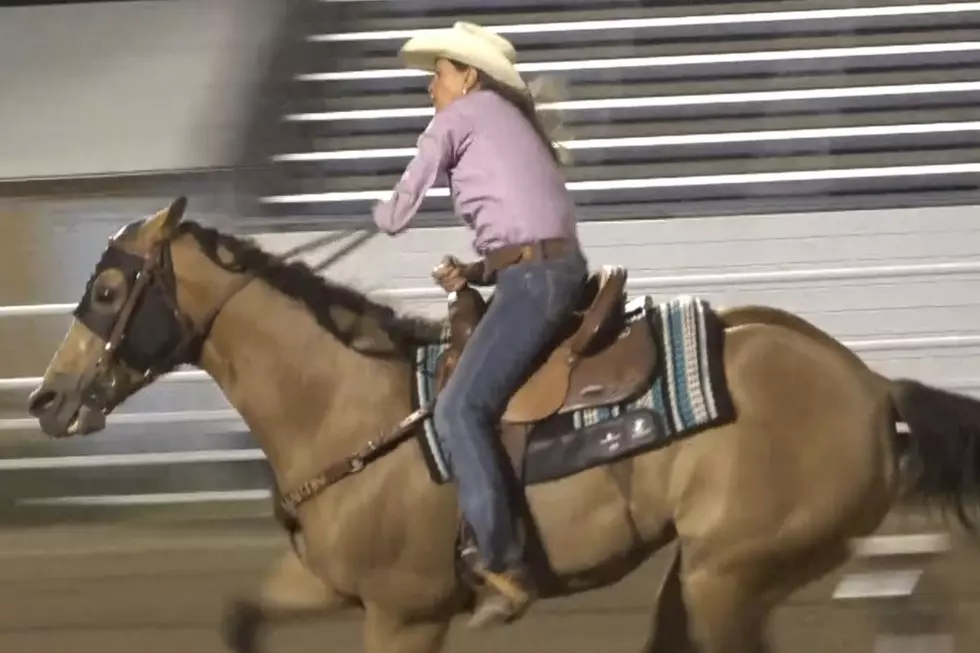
[132,459]
[130,419]
[28,382]
[895,567]
[156,499]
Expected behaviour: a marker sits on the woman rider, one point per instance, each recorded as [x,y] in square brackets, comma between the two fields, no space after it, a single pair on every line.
[507,187]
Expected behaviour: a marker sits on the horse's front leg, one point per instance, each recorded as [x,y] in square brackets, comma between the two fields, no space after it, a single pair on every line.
[289,591]
[385,632]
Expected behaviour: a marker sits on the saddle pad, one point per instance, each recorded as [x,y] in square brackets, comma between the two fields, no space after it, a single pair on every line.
[688,393]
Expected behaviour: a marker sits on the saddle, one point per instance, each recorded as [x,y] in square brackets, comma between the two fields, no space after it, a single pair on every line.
[596,358]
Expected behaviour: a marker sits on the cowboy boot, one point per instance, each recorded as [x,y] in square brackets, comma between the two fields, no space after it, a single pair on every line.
[506,597]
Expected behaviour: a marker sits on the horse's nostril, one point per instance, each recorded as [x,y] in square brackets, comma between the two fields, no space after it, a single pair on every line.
[41,402]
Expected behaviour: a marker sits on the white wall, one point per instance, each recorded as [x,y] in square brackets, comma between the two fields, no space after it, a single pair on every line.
[894,283]
[117,87]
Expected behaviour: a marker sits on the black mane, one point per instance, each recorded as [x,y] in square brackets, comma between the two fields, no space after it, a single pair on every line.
[295,279]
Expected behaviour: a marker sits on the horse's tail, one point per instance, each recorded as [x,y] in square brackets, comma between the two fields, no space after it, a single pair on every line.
[944,444]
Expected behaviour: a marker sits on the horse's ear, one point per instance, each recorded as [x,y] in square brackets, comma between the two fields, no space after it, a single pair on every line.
[163,223]
[175,213]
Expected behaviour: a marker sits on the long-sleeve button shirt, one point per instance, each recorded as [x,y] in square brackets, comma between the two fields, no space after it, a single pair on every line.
[504,184]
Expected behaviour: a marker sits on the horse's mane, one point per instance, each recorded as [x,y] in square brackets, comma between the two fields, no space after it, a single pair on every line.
[295,279]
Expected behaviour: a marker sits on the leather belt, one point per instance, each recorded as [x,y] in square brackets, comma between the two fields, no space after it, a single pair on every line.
[540,250]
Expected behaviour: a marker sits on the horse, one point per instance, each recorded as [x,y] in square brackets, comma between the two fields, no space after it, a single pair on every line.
[797,452]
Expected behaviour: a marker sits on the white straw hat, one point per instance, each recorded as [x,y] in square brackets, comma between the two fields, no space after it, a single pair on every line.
[466,43]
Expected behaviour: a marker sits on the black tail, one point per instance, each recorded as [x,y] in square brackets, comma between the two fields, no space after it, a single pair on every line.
[944,445]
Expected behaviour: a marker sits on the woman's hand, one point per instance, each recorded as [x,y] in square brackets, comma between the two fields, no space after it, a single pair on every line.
[449,274]
[452,274]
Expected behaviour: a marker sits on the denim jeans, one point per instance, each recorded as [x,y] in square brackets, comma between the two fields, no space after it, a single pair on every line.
[529,303]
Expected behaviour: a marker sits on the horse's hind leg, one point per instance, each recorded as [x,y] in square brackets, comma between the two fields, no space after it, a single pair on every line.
[701,612]
[728,611]
[715,606]
[289,591]
[670,620]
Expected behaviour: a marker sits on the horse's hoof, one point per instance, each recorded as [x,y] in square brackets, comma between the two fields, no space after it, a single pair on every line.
[241,626]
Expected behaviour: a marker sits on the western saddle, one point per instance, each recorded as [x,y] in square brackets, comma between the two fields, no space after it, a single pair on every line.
[596,358]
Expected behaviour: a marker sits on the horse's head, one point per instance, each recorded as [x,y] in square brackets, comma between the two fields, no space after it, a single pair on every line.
[127,329]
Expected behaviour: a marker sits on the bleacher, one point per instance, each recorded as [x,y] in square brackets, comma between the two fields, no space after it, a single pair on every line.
[675,109]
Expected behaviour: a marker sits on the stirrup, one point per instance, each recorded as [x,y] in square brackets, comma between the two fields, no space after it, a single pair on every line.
[506,587]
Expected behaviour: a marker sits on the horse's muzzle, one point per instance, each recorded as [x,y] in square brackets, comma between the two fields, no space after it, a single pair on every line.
[60,410]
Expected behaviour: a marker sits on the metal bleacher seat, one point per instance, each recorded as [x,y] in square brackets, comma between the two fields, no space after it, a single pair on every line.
[674,109]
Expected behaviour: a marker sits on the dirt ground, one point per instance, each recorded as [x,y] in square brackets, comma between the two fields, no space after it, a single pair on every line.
[98,588]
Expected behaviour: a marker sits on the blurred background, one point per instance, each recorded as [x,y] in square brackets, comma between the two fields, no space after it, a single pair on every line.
[821,157]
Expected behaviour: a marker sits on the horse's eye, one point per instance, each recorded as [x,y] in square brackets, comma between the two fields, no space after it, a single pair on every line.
[104,294]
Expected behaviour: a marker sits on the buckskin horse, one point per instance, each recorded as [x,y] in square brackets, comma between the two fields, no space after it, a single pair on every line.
[757,442]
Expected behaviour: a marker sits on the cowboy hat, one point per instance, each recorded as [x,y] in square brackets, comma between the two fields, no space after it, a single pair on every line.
[466,43]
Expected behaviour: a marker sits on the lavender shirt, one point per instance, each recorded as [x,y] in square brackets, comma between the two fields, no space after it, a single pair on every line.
[504,184]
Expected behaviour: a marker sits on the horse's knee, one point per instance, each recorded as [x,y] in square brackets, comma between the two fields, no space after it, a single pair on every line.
[290,590]
[292,585]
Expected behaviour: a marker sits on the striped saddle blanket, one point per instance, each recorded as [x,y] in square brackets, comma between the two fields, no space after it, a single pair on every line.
[687,394]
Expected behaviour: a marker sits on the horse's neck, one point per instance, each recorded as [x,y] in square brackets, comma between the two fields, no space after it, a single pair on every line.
[308,399]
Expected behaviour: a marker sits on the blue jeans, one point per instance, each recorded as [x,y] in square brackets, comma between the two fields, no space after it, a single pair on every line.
[529,303]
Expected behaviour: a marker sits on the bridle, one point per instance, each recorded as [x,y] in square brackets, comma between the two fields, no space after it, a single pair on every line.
[152,298]
[175,338]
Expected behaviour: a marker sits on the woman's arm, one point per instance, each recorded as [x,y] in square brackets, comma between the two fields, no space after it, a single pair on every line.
[435,151]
